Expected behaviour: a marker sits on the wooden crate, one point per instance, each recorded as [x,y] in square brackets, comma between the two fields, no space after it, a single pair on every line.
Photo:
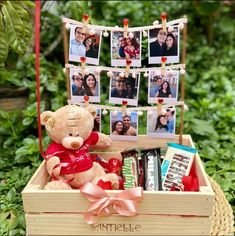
[170,213]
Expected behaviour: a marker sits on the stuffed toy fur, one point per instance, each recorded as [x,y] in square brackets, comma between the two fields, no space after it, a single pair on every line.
[67,158]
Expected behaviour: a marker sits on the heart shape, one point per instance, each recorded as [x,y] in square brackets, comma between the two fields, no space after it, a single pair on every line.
[163,16]
[125,22]
[124,102]
[160,100]
[164,59]
[128,62]
[83,59]
[86,98]
[85,17]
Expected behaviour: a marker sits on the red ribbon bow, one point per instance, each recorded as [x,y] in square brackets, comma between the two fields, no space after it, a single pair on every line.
[123,203]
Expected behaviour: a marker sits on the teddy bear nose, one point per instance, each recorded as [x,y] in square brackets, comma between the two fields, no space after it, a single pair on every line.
[75,145]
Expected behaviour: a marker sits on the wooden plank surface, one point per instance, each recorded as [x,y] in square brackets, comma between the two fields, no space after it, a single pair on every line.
[179,203]
[74,224]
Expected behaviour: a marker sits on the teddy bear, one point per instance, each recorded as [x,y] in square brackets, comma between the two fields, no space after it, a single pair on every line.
[68,160]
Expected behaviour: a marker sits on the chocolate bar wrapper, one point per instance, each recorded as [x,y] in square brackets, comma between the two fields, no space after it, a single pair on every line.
[176,164]
[152,169]
[130,169]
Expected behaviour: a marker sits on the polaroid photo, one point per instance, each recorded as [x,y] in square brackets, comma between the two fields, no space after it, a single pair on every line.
[97,121]
[124,88]
[124,127]
[88,84]
[82,44]
[164,44]
[163,87]
[161,125]
[125,48]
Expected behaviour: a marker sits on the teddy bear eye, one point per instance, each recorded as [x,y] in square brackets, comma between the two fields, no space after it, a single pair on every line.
[77,135]
[70,134]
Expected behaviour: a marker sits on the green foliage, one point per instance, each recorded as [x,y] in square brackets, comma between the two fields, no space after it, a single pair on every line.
[209,90]
[15,27]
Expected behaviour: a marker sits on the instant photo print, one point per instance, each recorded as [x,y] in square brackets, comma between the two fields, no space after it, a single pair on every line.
[164,44]
[124,127]
[82,44]
[125,48]
[163,87]
[80,85]
[124,88]
[161,125]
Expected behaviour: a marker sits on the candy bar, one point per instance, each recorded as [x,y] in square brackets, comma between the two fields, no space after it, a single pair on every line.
[176,164]
[152,169]
[130,169]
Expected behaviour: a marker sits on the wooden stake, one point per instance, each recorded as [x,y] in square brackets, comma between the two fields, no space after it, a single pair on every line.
[181,123]
[66,58]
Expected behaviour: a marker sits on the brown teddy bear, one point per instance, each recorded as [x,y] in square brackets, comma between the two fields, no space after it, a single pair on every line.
[67,158]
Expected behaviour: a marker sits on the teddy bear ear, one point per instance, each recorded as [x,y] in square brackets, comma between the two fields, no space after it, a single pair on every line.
[45,116]
[91,109]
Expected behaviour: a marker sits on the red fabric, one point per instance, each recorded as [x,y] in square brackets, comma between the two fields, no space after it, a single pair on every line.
[37,70]
[107,185]
[191,182]
[76,160]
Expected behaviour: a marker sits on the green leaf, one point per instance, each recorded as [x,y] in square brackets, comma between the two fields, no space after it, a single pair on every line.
[4,47]
[14,28]
[24,15]
[27,121]
[11,194]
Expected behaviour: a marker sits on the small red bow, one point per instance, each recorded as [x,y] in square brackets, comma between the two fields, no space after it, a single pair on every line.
[123,203]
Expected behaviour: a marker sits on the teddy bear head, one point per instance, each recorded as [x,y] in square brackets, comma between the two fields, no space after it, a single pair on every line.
[70,125]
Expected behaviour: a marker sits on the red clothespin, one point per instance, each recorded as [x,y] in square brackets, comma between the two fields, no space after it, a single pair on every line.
[125,27]
[85,20]
[163,16]
[163,68]
[124,104]
[159,106]
[86,100]
[128,65]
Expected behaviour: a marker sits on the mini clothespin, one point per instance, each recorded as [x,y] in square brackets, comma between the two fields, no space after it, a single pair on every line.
[163,67]
[83,64]
[128,65]
[86,100]
[163,16]
[125,27]
[159,106]
[124,104]
[85,19]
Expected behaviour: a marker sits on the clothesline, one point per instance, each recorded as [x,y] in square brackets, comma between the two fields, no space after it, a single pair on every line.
[131,29]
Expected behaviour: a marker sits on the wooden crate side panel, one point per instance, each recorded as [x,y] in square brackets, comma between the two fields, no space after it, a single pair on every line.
[74,224]
[178,203]
[201,173]
[146,142]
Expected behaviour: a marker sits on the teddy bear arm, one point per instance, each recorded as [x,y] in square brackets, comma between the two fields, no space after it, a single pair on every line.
[103,142]
[51,166]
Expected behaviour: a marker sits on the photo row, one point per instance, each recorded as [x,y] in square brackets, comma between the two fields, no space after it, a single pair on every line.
[125,127]
[160,43]
[124,88]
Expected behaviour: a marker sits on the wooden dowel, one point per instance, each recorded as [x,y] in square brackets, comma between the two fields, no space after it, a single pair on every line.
[183,60]
[181,124]
[66,58]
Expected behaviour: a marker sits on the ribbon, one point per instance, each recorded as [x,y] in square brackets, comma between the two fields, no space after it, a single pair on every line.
[123,203]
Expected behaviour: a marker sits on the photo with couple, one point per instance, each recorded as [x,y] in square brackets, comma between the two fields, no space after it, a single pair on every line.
[81,85]
[82,44]
[163,44]
[165,87]
[124,127]
[161,125]
[125,48]
[122,88]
